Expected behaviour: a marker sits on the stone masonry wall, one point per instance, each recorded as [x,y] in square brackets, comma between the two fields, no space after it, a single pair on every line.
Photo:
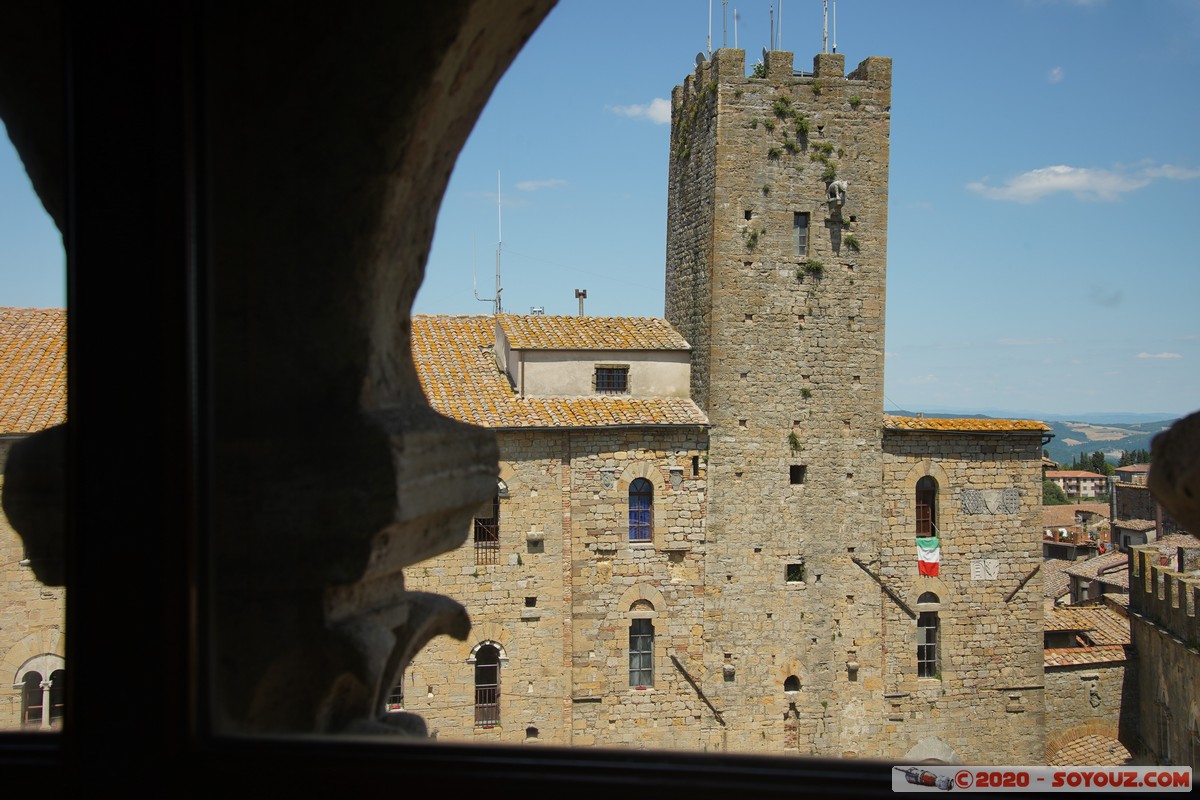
[1164,613]
[1089,699]
[32,616]
[987,705]
[789,368]
[559,601]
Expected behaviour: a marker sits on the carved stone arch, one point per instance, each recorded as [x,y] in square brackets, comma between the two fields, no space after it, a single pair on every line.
[507,479]
[642,592]
[920,584]
[791,667]
[44,664]
[482,643]
[1100,728]
[487,633]
[46,642]
[931,750]
[928,467]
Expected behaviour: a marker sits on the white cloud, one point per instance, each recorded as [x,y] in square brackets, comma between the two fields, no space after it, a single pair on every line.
[533,186]
[1055,75]
[1083,182]
[657,111]
[1159,355]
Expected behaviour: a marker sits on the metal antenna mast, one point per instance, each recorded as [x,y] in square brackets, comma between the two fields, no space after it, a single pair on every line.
[724,17]
[495,299]
[835,26]
[825,26]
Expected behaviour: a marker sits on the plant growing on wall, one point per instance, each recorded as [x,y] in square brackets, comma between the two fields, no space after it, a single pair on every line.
[774,153]
[794,441]
[769,124]
[830,173]
[817,88]
[855,102]
[750,237]
[806,393]
[782,106]
[851,241]
[812,267]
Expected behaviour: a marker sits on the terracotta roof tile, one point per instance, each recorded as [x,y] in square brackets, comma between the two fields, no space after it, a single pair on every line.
[458,372]
[1092,567]
[962,424]
[1055,582]
[1092,750]
[1104,626]
[1135,524]
[539,332]
[1072,473]
[1078,656]
[1064,516]
[33,369]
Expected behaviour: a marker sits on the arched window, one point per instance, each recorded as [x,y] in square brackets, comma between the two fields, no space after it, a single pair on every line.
[928,664]
[791,684]
[487,686]
[58,695]
[927,507]
[641,653]
[641,510]
[31,700]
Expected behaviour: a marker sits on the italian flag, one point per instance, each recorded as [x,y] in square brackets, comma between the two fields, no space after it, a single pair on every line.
[929,555]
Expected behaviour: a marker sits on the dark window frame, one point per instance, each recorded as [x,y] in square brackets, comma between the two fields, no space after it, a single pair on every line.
[486,536]
[611,379]
[641,653]
[641,511]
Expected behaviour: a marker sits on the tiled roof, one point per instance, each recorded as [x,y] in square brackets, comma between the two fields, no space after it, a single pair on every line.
[1072,473]
[538,332]
[1092,567]
[1104,626]
[1055,582]
[963,424]
[1135,524]
[1174,540]
[459,375]
[1134,468]
[33,369]
[1079,656]
[1092,750]
[1064,516]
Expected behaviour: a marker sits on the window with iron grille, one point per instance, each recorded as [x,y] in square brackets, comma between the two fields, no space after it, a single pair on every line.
[641,510]
[612,380]
[927,645]
[487,535]
[800,233]
[927,507]
[487,686]
[641,653]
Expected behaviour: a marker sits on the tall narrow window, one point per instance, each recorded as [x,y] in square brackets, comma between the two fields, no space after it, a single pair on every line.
[58,695]
[487,533]
[641,510]
[928,664]
[641,653]
[31,700]
[487,686]
[800,233]
[927,507]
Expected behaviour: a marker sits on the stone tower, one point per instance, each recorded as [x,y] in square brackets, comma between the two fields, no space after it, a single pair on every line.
[776,254]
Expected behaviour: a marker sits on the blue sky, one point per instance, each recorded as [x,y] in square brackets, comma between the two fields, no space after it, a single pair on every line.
[1044,252]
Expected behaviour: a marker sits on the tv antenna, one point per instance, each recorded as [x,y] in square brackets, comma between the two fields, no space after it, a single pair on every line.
[495,299]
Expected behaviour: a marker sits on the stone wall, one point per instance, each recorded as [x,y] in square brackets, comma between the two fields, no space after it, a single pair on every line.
[988,703]
[1091,699]
[559,602]
[1164,612]
[32,616]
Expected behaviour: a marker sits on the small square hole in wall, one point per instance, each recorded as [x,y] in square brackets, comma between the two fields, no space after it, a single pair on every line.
[695,465]
[747,264]
[747,213]
[758,549]
[530,602]
[794,573]
[749,318]
[853,218]
[797,473]
[737,473]
[856,380]
[800,318]
[742,423]
[745,375]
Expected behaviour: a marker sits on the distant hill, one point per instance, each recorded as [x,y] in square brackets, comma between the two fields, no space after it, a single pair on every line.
[1111,433]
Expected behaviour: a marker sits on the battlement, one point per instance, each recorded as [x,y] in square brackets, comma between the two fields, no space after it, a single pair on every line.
[1164,596]
[728,68]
